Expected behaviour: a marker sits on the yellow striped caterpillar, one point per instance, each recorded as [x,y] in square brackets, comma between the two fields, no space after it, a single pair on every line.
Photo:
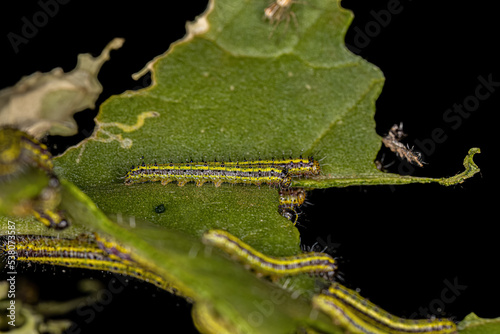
[290,200]
[359,316]
[275,172]
[200,173]
[311,263]
[82,252]
[17,150]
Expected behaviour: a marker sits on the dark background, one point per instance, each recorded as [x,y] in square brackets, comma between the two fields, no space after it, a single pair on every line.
[399,245]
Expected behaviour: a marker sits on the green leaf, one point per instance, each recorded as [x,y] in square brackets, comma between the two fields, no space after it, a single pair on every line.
[387,178]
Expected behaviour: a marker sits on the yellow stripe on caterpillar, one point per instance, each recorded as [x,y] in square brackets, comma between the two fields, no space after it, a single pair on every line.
[82,252]
[18,148]
[359,316]
[294,166]
[51,218]
[290,200]
[311,263]
[201,173]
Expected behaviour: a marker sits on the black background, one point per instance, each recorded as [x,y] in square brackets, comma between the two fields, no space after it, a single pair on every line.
[397,244]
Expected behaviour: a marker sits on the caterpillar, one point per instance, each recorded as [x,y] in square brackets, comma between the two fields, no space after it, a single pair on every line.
[19,149]
[358,315]
[276,172]
[82,252]
[201,172]
[312,263]
[290,200]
